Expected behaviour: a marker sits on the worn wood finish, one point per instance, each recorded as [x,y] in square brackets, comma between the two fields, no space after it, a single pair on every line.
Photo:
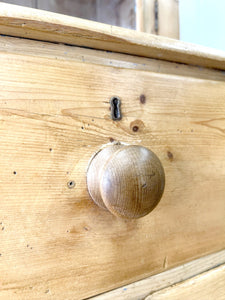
[208,286]
[143,288]
[54,115]
[127,180]
[41,25]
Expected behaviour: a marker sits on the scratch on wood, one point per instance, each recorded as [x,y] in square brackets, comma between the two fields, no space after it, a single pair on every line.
[165,262]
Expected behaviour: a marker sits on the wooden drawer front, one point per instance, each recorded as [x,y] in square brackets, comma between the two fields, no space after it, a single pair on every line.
[54,114]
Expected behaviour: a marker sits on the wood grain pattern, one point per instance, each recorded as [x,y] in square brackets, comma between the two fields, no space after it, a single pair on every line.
[46,26]
[54,114]
[63,52]
[208,286]
[141,289]
[126,180]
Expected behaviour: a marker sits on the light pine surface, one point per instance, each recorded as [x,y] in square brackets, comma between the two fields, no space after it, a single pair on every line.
[207,286]
[168,18]
[55,242]
[46,26]
[158,17]
[159,282]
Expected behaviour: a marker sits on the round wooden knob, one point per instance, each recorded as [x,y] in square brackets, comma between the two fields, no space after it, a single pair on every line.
[127,180]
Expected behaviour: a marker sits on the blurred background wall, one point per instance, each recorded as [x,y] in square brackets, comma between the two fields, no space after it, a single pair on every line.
[203,22]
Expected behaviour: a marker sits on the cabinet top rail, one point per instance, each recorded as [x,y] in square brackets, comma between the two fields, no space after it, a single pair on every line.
[42,25]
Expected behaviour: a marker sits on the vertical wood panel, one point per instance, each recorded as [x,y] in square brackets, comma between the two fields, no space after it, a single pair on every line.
[145,19]
[159,17]
[168,18]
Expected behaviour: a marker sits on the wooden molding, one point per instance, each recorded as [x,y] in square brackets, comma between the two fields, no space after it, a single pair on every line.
[141,289]
[46,26]
[209,285]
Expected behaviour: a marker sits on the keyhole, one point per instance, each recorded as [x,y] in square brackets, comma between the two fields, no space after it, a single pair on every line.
[115,108]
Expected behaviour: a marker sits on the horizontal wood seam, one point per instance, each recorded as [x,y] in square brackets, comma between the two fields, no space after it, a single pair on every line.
[183,279]
[180,281]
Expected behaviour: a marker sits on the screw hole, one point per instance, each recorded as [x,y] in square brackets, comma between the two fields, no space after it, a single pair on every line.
[135,128]
[71,184]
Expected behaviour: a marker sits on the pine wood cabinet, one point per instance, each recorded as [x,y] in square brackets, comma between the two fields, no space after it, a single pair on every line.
[57,77]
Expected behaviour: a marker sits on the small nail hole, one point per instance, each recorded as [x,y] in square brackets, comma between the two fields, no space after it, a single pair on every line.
[71,184]
[14,173]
